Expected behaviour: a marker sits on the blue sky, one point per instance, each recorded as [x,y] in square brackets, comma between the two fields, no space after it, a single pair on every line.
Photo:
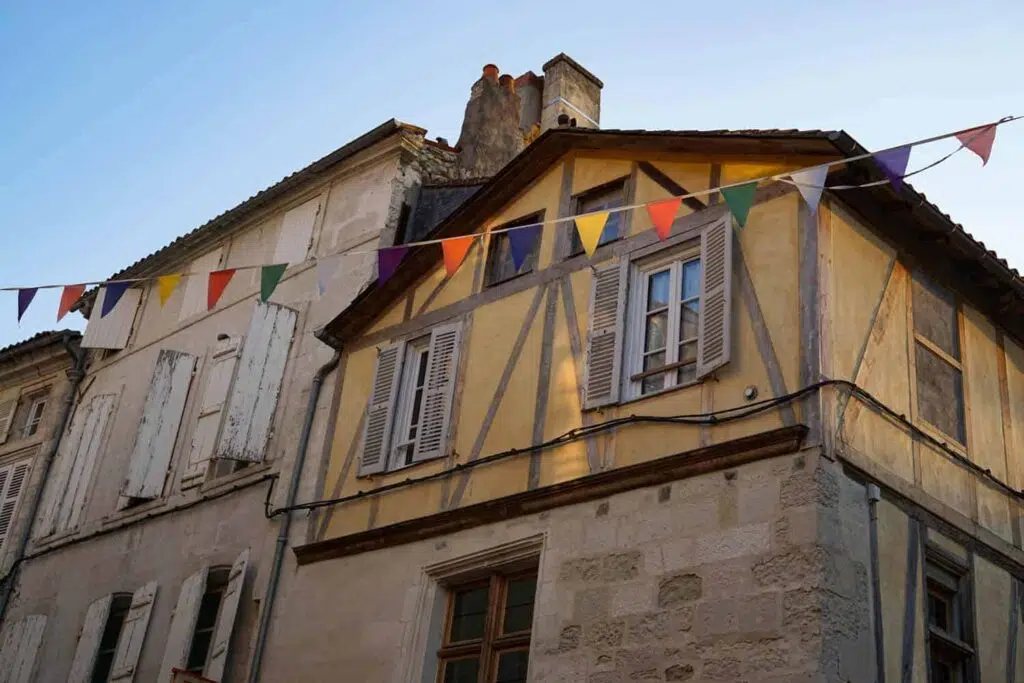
[126,124]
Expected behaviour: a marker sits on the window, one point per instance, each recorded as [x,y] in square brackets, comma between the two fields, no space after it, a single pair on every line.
[500,266]
[34,417]
[119,605]
[603,198]
[940,392]
[487,630]
[206,619]
[410,406]
[949,627]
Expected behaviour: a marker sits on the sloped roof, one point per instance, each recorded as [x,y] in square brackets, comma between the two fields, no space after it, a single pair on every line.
[37,341]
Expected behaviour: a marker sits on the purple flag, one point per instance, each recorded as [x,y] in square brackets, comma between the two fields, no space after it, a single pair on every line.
[521,242]
[894,164]
[25,297]
[387,262]
[112,293]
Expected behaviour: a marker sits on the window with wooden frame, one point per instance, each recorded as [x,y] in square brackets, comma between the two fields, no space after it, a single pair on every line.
[940,388]
[602,198]
[206,619]
[120,603]
[950,628]
[487,630]
[500,265]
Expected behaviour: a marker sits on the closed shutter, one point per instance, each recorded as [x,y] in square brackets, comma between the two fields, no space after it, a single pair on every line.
[443,358]
[222,363]
[193,301]
[250,412]
[296,233]
[183,624]
[226,618]
[20,647]
[158,429]
[12,482]
[604,338]
[714,337]
[112,330]
[8,404]
[89,641]
[61,470]
[377,435]
[133,634]
[87,452]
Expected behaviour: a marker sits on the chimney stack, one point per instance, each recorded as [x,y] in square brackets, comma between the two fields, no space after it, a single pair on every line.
[571,90]
[490,136]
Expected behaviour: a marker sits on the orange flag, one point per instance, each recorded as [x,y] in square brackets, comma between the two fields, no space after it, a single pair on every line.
[455,250]
[219,279]
[662,214]
[68,297]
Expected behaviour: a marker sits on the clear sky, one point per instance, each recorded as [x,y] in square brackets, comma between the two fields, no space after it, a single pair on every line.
[126,124]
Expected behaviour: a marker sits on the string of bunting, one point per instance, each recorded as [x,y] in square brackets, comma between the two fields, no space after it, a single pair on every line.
[738,197]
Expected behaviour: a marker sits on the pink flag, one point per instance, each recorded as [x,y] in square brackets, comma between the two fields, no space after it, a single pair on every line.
[979,141]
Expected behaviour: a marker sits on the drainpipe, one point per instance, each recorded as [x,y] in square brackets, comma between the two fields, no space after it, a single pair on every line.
[875,495]
[286,523]
[76,375]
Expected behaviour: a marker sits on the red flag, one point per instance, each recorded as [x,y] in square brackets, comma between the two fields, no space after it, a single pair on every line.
[455,252]
[219,279]
[68,297]
[979,141]
[662,214]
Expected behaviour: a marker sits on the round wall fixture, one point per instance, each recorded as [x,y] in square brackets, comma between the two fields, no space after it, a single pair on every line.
[750,393]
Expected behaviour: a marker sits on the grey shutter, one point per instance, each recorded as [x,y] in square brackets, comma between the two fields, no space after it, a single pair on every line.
[89,641]
[714,340]
[226,618]
[158,429]
[20,647]
[133,634]
[12,482]
[604,338]
[183,624]
[377,434]
[435,417]
[250,412]
[87,452]
[8,404]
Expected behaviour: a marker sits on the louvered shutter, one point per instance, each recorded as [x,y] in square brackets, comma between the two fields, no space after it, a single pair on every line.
[221,371]
[12,482]
[87,452]
[714,335]
[226,618]
[183,624]
[604,338]
[158,429]
[133,634]
[435,417]
[8,404]
[377,434]
[19,648]
[89,641]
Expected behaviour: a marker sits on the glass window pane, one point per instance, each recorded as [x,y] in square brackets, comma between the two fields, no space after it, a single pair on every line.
[468,613]
[935,317]
[691,279]
[657,290]
[461,670]
[689,314]
[657,330]
[940,397]
[512,666]
[519,605]
[657,382]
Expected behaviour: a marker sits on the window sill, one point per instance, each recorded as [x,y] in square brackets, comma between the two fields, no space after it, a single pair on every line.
[55,539]
[518,275]
[940,436]
[396,470]
[254,471]
[653,394]
[127,514]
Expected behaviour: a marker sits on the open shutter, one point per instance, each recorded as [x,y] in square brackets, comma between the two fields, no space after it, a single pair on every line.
[89,641]
[377,434]
[133,634]
[226,618]
[714,338]
[158,429]
[20,647]
[8,404]
[250,411]
[221,371]
[86,453]
[604,338]
[112,330]
[183,624]
[58,479]
[12,482]
[443,359]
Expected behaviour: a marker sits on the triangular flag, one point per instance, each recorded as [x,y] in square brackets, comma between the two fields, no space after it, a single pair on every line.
[979,141]
[662,214]
[269,277]
[894,164]
[326,267]
[590,228]
[520,243]
[68,297]
[811,183]
[112,293]
[165,285]
[25,297]
[455,250]
[739,199]
[387,262]
[218,281]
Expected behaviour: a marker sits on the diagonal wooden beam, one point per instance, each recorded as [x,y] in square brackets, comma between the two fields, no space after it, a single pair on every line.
[669,185]
[350,457]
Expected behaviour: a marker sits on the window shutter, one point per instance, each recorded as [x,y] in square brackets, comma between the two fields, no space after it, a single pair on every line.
[86,453]
[89,641]
[20,647]
[221,371]
[604,339]
[158,429]
[183,624]
[112,330]
[443,358]
[377,436]
[193,300]
[58,479]
[296,233]
[226,619]
[8,404]
[714,339]
[12,482]
[133,634]
[250,413]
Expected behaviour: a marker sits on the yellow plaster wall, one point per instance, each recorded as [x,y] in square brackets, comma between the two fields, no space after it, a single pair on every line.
[590,172]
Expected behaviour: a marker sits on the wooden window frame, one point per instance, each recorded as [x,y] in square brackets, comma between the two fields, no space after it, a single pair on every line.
[222,574]
[496,238]
[946,574]
[575,244]
[30,428]
[418,348]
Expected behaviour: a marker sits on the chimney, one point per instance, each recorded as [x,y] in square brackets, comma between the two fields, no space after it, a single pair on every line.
[530,88]
[571,90]
[490,136]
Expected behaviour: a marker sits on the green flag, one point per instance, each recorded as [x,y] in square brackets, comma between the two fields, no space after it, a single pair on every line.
[740,198]
[269,277]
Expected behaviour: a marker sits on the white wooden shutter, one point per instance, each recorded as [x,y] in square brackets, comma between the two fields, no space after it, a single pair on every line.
[89,640]
[158,429]
[604,338]
[113,330]
[193,301]
[20,647]
[61,470]
[8,405]
[226,618]
[250,412]
[12,483]
[183,624]
[222,363]
[296,233]
[377,433]
[133,634]
[714,340]
[435,417]
[86,455]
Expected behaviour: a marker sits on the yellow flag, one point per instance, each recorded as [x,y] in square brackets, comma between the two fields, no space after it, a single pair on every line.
[165,285]
[590,228]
